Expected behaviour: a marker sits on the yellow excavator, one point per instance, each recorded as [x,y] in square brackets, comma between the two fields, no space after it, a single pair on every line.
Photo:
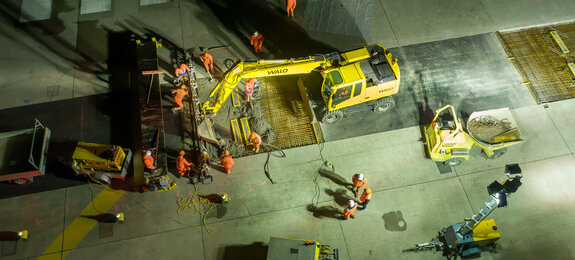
[367,76]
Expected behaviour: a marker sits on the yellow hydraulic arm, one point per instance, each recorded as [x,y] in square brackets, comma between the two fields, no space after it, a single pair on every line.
[264,68]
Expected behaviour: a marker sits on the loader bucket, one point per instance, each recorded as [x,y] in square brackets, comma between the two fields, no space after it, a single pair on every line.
[206,131]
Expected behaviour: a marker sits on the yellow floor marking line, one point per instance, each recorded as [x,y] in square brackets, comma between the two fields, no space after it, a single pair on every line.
[80,226]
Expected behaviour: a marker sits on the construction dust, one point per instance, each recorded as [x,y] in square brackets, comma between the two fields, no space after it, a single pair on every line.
[486,128]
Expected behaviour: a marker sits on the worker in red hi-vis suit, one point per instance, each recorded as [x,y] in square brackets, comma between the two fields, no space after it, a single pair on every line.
[179,95]
[227,161]
[149,161]
[250,84]
[208,62]
[349,211]
[257,40]
[290,7]
[182,70]
[182,164]
[255,140]
[358,182]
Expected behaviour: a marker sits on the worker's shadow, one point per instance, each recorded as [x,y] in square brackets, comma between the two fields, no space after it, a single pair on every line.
[340,196]
[336,178]
[9,236]
[326,211]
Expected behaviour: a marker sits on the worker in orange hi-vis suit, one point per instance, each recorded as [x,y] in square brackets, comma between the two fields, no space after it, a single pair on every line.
[257,40]
[255,140]
[182,164]
[358,182]
[182,70]
[290,6]
[208,62]
[227,161]
[349,211]
[250,84]
[179,95]
[365,198]
[149,161]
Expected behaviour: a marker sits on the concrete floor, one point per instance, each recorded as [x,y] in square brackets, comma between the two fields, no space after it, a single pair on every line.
[431,38]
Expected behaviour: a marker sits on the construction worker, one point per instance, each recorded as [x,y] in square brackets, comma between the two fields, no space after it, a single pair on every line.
[255,140]
[257,40]
[149,161]
[365,198]
[290,6]
[358,182]
[208,62]
[250,84]
[179,94]
[227,161]
[182,164]
[349,211]
[181,71]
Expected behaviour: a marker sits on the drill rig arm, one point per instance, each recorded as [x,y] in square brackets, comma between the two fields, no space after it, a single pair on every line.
[264,68]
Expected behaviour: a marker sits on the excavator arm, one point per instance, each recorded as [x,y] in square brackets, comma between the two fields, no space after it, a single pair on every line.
[265,68]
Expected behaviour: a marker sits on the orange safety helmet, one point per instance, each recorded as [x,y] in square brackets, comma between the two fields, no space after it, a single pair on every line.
[226,153]
[367,190]
[182,152]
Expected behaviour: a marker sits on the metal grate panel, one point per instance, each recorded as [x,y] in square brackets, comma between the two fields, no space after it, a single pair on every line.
[285,111]
[540,57]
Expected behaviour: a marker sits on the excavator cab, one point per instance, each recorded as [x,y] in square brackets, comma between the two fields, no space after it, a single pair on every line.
[365,75]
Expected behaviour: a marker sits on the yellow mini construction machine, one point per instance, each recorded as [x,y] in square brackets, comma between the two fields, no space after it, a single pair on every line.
[368,76]
[281,248]
[493,131]
[101,162]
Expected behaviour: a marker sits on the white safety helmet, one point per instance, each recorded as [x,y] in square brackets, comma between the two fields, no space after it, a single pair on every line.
[361,177]
[148,153]
[256,33]
[351,203]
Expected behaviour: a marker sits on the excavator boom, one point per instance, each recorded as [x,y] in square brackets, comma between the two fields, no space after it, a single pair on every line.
[264,68]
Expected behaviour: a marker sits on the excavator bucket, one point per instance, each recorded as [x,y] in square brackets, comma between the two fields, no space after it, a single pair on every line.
[206,131]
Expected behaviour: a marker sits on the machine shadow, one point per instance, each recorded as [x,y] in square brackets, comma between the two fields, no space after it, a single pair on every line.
[257,250]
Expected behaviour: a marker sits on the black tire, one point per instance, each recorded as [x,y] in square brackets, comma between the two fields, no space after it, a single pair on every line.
[453,161]
[228,63]
[330,117]
[22,181]
[102,179]
[383,105]
[498,153]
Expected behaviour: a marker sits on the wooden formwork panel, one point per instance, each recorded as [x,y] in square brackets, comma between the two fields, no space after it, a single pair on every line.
[540,57]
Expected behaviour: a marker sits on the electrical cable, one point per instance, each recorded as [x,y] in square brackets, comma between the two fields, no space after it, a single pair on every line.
[107,186]
[266,164]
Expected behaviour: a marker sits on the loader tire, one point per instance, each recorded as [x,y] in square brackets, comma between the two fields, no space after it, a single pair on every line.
[22,181]
[383,105]
[330,117]
[453,161]
[498,153]
[228,63]
[102,179]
